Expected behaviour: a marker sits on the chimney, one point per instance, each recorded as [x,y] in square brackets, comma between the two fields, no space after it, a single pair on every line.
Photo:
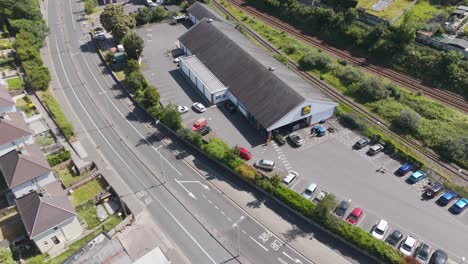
[271,68]
[22,149]
[210,20]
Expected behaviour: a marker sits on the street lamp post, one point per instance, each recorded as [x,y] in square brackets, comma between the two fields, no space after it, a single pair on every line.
[462,260]
[237,224]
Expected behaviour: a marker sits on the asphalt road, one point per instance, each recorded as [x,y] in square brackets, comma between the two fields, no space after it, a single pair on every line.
[202,224]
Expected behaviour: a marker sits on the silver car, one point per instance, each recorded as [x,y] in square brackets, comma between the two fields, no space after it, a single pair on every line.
[307,193]
[268,165]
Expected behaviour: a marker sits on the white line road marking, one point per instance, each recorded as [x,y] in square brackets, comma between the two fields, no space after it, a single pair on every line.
[223,213]
[203,185]
[238,221]
[297,181]
[203,196]
[282,157]
[210,201]
[258,243]
[71,15]
[243,231]
[188,192]
[228,218]
[217,208]
[293,259]
[125,163]
[282,261]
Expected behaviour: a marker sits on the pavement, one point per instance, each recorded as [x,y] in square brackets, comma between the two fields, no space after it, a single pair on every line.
[145,171]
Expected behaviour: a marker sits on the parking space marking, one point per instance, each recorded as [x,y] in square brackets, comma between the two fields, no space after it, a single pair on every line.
[297,181]
[361,220]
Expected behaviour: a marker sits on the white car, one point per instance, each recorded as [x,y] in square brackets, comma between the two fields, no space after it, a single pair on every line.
[151,3]
[199,107]
[290,177]
[182,109]
[320,197]
[408,245]
[307,193]
[380,229]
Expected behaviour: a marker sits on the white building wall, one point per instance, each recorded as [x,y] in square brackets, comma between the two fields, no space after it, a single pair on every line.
[33,185]
[319,110]
[231,97]
[7,109]
[64,232]
[5,148]
[220,96]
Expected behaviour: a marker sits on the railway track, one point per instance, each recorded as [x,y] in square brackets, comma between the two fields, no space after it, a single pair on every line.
[445,97]
[431,157]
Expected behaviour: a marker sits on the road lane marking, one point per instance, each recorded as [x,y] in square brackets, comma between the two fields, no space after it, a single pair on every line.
[282,261]
[296,260]
[228,218]
[223,213]
[217,208]
[243,231]
[210,201]
[71,15]
[258,243]
[125,163]
[186,190]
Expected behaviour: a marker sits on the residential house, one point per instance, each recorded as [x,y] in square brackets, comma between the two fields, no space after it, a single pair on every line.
[443,42]
[14,131]
[49,218]
[7,104]
[25,170]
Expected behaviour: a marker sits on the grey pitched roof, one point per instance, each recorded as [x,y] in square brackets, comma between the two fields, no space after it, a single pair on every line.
[13,127]
[243,67]
[5,98]
[457,42]
[40,213]
[200,11]
[18,167]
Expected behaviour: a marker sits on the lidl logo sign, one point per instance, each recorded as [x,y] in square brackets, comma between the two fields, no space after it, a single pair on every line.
[305,110]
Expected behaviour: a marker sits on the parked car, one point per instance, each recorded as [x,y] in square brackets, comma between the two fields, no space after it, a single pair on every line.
[433,190]
[354,216]
[230,107]
[459,206]
[423,252]
[244,153]
[318,131]
[199,107]
[404,168]
[307,193]
[380,229]
[204,130]
[362,142]
[394,238]
[417,176]
[296,140]
[199,124]
[408,245]
[320,196]
[446,198]
[438,257]
[373,150]
[100,36]
[264,164]
[182,109]
[292,175]
[341,208]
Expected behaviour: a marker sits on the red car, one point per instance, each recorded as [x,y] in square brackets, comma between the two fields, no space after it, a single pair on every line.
[244,153]
[199,124]
[355,215]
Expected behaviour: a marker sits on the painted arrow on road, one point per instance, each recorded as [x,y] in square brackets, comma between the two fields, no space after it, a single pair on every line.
[188,192]
[203,185]
[293,259]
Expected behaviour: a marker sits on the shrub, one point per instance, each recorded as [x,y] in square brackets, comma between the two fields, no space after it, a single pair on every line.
[408,121]
[37,76]
[291,49]
[352,121]
[58,158]
[217,149]
[294,200]
[170,116]
[158,14]
[133,44]
[456,149]
[281,58]
[54,108]
[314,60]
[89,6]
[460,190]
[246,172]
[372,89]
[349,75]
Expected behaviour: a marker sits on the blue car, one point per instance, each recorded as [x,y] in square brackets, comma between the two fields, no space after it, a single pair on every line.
[417,176]
[446,198]
[459,206]
[405,168]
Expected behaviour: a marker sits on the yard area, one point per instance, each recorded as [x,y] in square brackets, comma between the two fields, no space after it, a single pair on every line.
[44,140]
[66,176]
[7,63]
[87,212]
[390,12]
[15,83]
[86,192]
[28,108]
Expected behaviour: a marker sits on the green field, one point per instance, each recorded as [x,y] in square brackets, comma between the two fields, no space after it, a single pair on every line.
[393,10]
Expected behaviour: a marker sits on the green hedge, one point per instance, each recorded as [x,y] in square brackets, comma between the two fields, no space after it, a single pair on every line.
[60,119]
[58,158]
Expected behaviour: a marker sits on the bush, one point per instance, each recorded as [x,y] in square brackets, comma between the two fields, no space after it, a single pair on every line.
[60,119]
[246,172]
[408,121]
[37,76]
[6,257]
[314,60]
[90,6]
[170,116]
[217,149]
[352,121]
[456,149]
[294,200]
[158,14]
[133,44]
[349,75]
[371,89]
[58,158]
[281,58]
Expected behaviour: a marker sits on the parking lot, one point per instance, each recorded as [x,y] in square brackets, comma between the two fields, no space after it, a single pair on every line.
[328,161]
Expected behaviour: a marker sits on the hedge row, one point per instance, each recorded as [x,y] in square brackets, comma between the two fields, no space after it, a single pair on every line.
[55,159]
[60,119]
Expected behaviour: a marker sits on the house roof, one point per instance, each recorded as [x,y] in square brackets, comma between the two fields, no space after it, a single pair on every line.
[5,98]
[200,11]
[20,166]
[457,42]
[41,212]
[13,127]
[244,67]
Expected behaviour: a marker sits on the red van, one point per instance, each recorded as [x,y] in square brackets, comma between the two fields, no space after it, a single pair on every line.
[199,124]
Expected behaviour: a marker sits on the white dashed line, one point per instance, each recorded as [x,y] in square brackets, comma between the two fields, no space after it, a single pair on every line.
[203,196]
[210,202]
[217,208]
[258,243]
[243,231]
[228,218]
[223,213]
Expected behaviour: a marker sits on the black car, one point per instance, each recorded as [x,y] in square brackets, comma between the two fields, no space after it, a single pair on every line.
[230,107]
[435,189]
[362,142]
[341,208]
[438,257]
[423,252]
[296,140]
[394,237]
[204,130]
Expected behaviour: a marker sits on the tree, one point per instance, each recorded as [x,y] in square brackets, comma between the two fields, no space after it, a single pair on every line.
[6,257]
[115,21]
[456,149]
[37,76]
[27,9]
[148,97]
[36,30]
[372,89]
[315,60]
[133,44]
[136,81]
[144,16]
[89,6]
[29,54]
[217,149]
[171,117]
[323,209]
[158,14]
[132,66]
[408,121]
[349,75]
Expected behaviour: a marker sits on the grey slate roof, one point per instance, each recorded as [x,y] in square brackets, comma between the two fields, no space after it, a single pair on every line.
[40,213]
[243,67]
[5,98]
[200,11]
[13,127]
[18,167]
[458,42]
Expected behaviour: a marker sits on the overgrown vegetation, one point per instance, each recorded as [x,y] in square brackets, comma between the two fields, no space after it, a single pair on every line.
[434,124]
[393,45]
[87,212]
[58,158]
[90,6]
[60,119]
[150,15]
